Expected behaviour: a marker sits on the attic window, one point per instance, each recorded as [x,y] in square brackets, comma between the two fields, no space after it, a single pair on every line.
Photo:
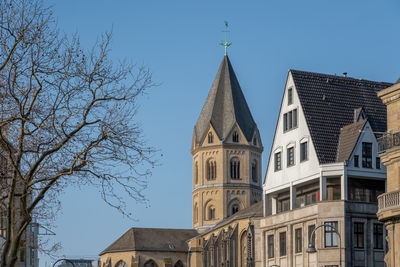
[235,137]
[210,138]
[290,96]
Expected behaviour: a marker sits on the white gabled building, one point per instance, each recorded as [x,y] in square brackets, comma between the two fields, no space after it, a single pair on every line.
[324,169]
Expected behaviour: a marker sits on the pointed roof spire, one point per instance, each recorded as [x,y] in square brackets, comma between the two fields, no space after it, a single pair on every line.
[225,106]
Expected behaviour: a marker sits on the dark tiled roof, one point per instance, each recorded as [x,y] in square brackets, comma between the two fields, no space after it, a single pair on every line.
[329,102]
[152,239]
[348,139]
[224,106]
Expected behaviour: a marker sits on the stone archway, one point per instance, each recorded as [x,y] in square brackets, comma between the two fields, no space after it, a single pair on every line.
[121,263]
[178,264]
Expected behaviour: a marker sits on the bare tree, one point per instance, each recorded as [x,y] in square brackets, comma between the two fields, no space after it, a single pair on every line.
[67,117]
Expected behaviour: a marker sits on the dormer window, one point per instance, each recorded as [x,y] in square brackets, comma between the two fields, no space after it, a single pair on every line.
[367,155]
[254,141]
[290,96]
[210,138]
[235,137]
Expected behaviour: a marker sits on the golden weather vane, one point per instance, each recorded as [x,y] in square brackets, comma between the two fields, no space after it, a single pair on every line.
[226,43]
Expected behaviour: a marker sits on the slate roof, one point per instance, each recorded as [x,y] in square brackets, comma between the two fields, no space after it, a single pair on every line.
[152,239]
[348,139]
[225,105]
[328,103]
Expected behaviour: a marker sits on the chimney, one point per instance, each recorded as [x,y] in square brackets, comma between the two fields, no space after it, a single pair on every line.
[344,74]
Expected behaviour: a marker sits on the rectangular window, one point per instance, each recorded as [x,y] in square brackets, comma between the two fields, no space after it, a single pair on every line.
[270,246]
[290,156]
[330,234]
[378,236]
[367,155]
[298,241]
[303,151]
[278,161]
[310,230]
[282,244]
[290,96]
[378,162]
[358,236]
[290,120]
[356,164]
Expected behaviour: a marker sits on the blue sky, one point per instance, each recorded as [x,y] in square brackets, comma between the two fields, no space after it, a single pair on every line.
[178,41]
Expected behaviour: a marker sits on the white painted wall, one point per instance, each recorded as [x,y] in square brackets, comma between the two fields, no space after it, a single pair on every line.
[301,171]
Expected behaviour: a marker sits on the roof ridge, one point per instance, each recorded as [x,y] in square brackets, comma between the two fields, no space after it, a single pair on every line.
[338,76]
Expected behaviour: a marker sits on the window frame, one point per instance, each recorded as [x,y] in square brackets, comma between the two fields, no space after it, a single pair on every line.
[271,246]
[290,96]
[328,231]
[290,120]
[366,155]
[298,240]
[234,164]
[378,236]
[303,151]
[356,161]
[276,165]
[310,229]
[358,235]
[290,159]
[254,171]
[282,244]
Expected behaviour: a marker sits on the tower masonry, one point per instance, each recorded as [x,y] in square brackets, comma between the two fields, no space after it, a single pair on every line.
[226,150]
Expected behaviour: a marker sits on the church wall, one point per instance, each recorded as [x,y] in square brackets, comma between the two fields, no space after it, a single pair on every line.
[239,226]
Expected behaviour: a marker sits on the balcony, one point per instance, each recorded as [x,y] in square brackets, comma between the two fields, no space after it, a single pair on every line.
[388,141]
[390,200]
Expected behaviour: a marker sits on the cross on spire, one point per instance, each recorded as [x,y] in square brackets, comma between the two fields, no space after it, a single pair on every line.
[226,43]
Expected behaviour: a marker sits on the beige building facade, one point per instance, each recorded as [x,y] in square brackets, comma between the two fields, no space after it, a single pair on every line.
[389,146]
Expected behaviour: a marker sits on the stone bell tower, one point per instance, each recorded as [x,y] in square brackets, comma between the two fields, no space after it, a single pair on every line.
[226,151]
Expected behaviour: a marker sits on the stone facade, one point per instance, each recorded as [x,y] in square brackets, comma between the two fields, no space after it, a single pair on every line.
[389,202]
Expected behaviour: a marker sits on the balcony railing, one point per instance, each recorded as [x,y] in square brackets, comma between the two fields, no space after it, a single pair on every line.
[389,200]
[388,141]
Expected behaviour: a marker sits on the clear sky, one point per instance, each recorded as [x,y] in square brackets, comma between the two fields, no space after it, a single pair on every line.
[178,41]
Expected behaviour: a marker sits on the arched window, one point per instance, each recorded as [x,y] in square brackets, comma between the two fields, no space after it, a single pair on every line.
[254,176]
[211,212]
[150,263]
[235,168]
[211,169]
[178,264]
[235,137]
[195,213]
[254,141]
[196,173]
[121,263]
[234,208]
[210,138]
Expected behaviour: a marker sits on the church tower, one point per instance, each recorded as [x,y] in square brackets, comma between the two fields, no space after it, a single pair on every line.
[226,151]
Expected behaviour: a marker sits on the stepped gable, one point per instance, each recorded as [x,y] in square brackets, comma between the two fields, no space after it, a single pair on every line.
[225,106]
[152,239]
[328,103]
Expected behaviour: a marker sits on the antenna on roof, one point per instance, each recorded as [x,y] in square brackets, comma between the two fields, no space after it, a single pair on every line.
[226,43]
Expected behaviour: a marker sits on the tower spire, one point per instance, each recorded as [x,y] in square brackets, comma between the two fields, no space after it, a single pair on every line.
[226,43]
